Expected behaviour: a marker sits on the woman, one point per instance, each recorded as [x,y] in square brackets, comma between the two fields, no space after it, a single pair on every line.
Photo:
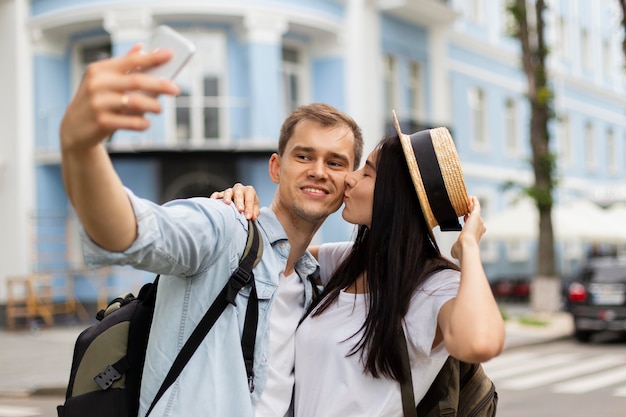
[393,275]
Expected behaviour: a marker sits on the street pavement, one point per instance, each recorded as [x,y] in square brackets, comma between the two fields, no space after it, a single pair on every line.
[37,361]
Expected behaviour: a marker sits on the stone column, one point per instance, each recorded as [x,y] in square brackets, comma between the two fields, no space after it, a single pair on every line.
[16,147]
[439,76]
[264,33]
[363,72]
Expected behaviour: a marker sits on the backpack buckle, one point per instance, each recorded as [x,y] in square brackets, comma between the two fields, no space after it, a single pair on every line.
[241,278]
[106,378]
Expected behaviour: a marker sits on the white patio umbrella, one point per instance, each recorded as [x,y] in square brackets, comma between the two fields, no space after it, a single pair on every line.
[617,216]
[576,220]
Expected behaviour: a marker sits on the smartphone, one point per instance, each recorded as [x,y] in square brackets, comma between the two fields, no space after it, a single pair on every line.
[164,37]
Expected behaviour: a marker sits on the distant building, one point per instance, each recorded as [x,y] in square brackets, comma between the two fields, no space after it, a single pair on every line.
[437,63]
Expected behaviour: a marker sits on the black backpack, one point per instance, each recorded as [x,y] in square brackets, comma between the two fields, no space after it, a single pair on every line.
[460,389]
[108,359]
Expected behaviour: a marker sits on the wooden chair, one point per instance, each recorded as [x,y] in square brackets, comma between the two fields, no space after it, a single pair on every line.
[29,298]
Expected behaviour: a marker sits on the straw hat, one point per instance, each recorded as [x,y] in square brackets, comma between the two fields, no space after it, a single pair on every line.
[437,176]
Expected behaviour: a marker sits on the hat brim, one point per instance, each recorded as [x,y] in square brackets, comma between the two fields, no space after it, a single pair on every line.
[451,172]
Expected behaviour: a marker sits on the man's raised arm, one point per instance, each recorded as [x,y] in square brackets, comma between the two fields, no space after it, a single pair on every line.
[111,96]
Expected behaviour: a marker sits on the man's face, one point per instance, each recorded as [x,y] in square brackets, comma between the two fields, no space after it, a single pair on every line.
[312,170]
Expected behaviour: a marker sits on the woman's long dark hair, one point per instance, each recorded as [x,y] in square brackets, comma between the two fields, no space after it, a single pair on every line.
[396,255]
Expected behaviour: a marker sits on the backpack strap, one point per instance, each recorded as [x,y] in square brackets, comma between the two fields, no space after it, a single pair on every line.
[241,277]
[406,386]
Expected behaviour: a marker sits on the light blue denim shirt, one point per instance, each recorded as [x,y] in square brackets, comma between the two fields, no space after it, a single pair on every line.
[195,244]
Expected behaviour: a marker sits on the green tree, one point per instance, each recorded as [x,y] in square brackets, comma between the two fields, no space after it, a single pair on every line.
[529,29]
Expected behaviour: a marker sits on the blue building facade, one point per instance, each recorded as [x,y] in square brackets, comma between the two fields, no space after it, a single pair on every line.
[437,63]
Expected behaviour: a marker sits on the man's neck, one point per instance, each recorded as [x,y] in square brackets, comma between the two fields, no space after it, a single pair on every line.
[299,233]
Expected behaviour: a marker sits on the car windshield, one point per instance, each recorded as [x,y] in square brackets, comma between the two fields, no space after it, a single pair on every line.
[606,273]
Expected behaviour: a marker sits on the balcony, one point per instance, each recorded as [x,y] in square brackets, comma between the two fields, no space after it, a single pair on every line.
[421,12]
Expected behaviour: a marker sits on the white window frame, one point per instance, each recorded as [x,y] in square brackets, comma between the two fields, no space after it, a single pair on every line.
[517,251]
[511,127]
[214,54]
[415,83]
[78,66]
[585,49]
[590,147]
[488,251]
[478,118]
[390,65]
[611,151]
[564,48]
[566,156]
[300,71]
[476,11]
[508,21]
[607,59]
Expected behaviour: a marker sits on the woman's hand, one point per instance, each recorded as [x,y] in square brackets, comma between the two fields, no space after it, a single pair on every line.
[473,229]
[245,198]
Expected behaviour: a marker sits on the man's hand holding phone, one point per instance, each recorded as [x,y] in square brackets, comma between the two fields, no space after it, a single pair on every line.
[114,94]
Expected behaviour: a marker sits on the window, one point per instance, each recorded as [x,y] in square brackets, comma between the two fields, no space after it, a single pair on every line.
[517,251]
[509,24]
[93,53]
[585,49]
[89,53]
[590,146]
[293,75]
[566,156]
[510,127]
[611,151]
[390,82]
[475,11]
[416,98]
[477,117]
[200,109]
[607,63]
[563,40]
[488,251]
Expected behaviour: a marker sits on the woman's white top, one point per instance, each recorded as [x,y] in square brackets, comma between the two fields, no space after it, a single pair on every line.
[330,383]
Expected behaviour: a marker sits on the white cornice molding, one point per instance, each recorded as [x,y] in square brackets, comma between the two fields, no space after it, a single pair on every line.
[585,86]
[66,21]
[484,48]
[423,12]
[484,74]
[128,25]
[265,27]
[595,111]
[485,172]
[47,45]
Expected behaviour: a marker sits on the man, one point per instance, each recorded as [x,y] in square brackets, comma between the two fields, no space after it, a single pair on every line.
[195,244]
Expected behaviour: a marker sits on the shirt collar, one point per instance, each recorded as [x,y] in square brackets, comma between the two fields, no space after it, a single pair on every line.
[275,233]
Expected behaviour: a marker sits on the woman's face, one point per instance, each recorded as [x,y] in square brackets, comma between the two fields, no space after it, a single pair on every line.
[359,195]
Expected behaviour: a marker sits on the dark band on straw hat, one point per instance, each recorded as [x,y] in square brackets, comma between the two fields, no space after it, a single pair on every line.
[436,173]
[434,184]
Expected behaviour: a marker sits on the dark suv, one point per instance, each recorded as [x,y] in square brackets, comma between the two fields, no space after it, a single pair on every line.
[597,297]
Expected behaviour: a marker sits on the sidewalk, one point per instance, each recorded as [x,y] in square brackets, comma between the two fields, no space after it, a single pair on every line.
[546,328]
[37,362]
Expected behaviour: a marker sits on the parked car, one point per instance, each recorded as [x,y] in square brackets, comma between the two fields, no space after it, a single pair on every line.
[597,297]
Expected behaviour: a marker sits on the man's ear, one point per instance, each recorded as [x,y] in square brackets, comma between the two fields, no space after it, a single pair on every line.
[274,168]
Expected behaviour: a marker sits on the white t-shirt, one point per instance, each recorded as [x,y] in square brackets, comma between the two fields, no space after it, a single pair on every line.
[330,383]
[286,312]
